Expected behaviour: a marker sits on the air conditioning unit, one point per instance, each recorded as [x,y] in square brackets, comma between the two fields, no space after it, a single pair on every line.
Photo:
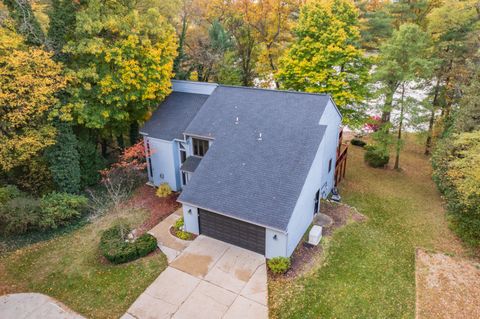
[315,235]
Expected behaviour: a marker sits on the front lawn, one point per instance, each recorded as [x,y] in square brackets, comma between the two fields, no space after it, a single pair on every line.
[368,270]
[70,269]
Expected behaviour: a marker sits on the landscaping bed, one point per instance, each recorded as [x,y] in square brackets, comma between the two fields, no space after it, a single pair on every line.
[177,231]
[173,232]
[159,208]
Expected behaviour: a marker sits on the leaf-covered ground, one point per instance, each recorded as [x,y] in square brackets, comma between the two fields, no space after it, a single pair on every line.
[70,269]
[368,270]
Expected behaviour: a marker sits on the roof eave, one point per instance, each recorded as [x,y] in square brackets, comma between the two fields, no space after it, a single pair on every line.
[231,216]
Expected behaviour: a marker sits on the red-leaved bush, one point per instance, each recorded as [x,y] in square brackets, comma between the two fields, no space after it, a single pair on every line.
[373,123]
[129,172]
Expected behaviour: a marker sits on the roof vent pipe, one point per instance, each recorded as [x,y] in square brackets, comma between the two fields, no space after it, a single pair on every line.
[236,120]
[259,137]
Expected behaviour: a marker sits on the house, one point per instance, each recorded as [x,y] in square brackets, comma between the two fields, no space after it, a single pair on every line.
[252,164]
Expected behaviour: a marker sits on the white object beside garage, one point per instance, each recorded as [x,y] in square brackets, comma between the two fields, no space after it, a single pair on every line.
[315,235]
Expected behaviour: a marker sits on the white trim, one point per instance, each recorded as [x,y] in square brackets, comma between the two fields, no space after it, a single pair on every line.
[193,87]
[202,137]
[336,108]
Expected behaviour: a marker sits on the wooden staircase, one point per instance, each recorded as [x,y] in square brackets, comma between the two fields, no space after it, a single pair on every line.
[341,163]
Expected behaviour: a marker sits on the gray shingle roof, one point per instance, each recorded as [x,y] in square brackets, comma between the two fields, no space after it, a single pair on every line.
[191,164]
[171,119]
[250,179]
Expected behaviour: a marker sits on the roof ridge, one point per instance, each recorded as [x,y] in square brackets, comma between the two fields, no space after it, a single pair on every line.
[272,90]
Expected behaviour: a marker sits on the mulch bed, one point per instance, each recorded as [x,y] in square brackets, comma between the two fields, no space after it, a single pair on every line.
[159,208]
[305,256]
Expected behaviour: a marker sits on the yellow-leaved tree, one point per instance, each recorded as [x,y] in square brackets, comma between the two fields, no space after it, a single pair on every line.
[122,61]
[326,56]
[29,79]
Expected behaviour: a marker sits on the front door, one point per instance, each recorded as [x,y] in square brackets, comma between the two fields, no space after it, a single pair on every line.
[317,202]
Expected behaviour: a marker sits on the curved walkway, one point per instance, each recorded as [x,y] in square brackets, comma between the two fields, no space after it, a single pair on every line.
[34,306]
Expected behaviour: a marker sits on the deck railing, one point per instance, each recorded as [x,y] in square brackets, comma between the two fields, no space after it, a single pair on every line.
[341,165]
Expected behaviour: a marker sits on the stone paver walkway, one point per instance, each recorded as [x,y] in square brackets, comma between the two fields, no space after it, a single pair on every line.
[209,279]
[34,306]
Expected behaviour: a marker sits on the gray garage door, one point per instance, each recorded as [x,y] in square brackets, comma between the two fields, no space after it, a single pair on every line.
[233,231]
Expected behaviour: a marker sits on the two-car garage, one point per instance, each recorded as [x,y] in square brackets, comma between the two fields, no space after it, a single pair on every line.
[233,231]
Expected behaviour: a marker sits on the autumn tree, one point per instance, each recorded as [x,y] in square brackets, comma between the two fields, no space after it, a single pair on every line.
[452,27]
[29,80]
[456,163]
[122,61]
[272,24]
[326,57]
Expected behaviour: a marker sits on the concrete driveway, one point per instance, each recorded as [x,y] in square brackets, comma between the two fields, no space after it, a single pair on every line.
[209,279]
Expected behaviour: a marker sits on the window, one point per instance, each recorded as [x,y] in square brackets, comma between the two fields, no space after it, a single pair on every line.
[183,156]
[184,178]
[200,147]
[183,152]
[329,165]
[149,156]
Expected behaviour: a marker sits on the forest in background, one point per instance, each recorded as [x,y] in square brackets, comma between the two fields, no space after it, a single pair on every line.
[78,78]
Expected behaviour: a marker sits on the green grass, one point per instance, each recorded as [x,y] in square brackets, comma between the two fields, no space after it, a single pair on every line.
[368,269]
[70,269]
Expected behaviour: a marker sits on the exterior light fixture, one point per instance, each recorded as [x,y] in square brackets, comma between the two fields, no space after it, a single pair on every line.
[274,237]
[190,211]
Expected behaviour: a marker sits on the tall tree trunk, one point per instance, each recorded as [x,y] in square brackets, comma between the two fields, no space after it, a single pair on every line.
[104,146]
[121,141]
[177,63]
[428,143]
[273,67]
[399,136]
[133,132]
[387,108]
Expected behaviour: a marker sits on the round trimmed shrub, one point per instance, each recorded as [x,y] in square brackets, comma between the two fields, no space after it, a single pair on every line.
[145,244]
[164,190]
[117,248]
[279,265]
[358,142]
[375,157]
